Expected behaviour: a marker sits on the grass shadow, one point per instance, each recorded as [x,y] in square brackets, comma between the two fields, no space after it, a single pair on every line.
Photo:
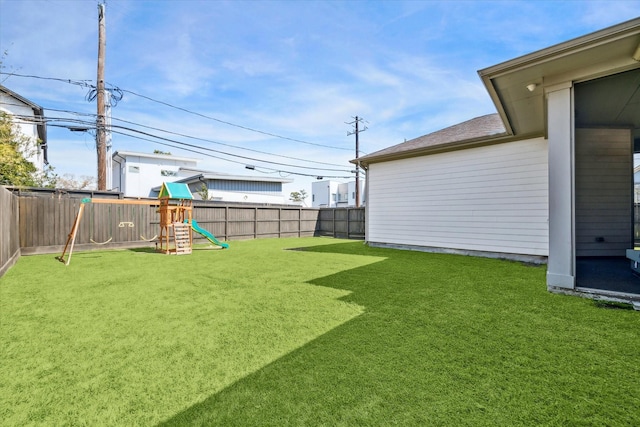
[146,250]
[131,337]
[444,340]
[383,337]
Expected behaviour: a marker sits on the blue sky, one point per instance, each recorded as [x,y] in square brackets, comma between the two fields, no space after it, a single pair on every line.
[296,69]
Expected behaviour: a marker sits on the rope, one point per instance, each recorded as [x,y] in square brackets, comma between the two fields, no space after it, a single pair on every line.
[93,210]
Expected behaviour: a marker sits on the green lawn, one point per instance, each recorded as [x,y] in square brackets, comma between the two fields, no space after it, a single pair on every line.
[335,333]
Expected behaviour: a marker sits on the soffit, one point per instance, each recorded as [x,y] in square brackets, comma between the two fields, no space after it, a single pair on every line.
[596,55]
[609,101]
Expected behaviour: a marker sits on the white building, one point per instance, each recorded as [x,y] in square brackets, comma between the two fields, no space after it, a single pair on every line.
[135,174]
[233,188]
[29,120]
[550,176]
[142,174]
[334,194]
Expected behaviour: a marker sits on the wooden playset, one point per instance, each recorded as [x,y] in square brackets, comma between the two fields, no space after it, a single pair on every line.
[175,219]
[176,222]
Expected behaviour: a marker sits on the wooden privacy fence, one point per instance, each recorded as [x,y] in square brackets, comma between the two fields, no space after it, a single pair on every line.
[9,235]
[45,223]
[341,223]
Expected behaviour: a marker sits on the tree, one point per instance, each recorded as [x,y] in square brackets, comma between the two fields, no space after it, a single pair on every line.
[203,192]
[15,169]
[298,196]
[83,182]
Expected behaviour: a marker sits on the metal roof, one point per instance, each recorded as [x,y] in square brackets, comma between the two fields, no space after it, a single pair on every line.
[124,154]
[228,177]
[174,190]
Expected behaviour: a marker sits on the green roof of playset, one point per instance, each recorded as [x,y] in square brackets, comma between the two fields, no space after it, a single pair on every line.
[175,190]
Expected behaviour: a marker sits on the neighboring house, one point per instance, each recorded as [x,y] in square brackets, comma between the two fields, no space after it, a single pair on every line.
[233,188]
[142,174]
[29,119]
[135,174]
[550,177]
[334,194]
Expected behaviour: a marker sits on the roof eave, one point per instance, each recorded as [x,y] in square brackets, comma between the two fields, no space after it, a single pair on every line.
[223,177]
[452,146]
[580,45]
[38,113]
[562,49]
[125,153]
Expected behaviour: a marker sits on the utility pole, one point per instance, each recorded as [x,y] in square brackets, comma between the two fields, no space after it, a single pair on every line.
[101,143]
[356,131]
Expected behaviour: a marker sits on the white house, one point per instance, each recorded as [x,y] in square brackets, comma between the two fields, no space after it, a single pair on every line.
[29,120]
[334,194]
[142,174]
[547,178]
[135,174]
[233,188]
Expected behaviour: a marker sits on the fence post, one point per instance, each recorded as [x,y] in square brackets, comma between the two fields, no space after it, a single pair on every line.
[333,211]
[255,223]
[226,223]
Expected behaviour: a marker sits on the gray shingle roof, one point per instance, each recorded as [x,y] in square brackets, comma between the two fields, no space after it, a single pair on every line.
[484,127]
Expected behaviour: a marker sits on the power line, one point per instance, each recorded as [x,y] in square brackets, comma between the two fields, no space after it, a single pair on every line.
[222,152]
[92,125]
[115,88]
[199,139]
[180,147]
[123,130]
[224,144]
[85,125]
[82,83]
[233,124]
[356,131]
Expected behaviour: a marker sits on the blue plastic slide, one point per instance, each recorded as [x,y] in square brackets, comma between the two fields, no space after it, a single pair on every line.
[205,233]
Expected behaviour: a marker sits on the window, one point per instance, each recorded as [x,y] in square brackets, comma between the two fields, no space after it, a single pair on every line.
[313,198]
[166,172]
[134,169]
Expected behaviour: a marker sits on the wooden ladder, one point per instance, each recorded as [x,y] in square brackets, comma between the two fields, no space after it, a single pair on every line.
[181,233]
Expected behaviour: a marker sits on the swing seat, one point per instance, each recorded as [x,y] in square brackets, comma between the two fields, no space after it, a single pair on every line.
[99,243]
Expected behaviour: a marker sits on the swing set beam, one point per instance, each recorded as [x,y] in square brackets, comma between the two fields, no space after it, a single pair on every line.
[76,224]
[122,202]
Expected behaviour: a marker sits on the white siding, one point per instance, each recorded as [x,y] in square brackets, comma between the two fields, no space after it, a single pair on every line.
[324,194]
[33,153]
[137,175]
[334,194]
[227,195]
[490,199]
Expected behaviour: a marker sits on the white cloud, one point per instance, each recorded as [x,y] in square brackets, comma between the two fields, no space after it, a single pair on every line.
[297,69]
[600,14]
